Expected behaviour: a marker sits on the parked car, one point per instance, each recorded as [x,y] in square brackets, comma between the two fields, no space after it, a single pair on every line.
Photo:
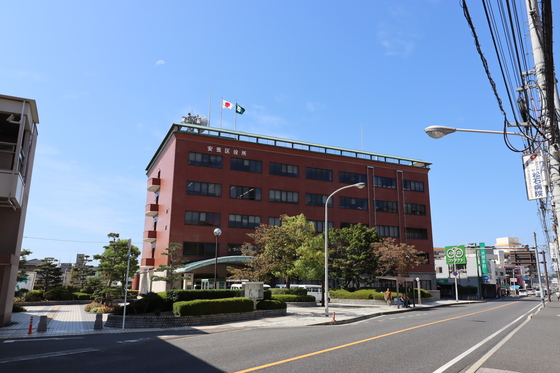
[522,292]
[530,292]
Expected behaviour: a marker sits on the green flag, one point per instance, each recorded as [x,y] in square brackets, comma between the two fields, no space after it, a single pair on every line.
[239,109]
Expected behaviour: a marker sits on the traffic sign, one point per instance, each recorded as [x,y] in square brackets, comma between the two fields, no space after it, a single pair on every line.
[455,273]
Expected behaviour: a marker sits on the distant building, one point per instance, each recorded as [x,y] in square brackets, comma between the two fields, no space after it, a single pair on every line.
[203,178]
[18,138]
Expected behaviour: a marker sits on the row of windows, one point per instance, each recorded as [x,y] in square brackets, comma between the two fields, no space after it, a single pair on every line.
[391,206]
[281,169]
[391,182]
[251,221]
[411,233]
[255,194]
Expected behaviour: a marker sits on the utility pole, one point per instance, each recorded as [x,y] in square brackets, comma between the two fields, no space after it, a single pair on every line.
[545,275]
[541,41]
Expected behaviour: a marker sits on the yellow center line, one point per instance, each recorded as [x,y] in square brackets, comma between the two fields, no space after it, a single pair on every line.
[51,313]
[366,340]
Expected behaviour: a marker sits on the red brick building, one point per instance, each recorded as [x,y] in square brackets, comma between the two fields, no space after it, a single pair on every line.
[203,178]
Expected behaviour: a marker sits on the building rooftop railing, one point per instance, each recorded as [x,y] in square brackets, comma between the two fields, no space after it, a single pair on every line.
[294,144]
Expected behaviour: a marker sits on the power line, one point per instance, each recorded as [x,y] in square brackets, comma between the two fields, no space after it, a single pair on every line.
[57,239]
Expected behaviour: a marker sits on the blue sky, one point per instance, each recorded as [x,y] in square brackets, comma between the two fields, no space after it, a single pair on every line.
[110,77]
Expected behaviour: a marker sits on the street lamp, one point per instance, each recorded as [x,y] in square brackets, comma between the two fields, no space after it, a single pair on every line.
[437,132]
[419,293]
[326,229]
[217,233]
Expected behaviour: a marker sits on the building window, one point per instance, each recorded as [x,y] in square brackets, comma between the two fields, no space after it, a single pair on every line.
[351,177]
[353,203]
[317,199]
[386,206]
[245,192]
[275,221]
[348,225]
[414,209]
[387,231]
[385,182]
[417,233]
[244,221]
[415,186]
[320,225]
[234,249]
[249,165]
[202,218]
[318,174]
[205,160]
[200,249]
[283,196]
[204,189]
[284,169]
[426,257]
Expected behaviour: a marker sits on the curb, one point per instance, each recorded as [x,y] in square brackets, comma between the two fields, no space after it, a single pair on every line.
[381,313]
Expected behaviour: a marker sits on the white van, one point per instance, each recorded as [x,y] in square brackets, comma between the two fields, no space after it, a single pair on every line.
[240,286]
[315,290]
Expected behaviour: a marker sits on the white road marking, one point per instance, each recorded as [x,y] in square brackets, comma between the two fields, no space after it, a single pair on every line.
[476,346]
[51,354]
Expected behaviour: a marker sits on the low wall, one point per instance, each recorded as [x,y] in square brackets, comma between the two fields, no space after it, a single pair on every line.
[143,321]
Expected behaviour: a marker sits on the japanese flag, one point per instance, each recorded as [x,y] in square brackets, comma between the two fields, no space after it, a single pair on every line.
[227,104]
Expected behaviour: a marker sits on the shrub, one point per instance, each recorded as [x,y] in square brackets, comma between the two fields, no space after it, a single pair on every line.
[179,295]
[271,305]
[147,304]
[293,298]
[98,308]
[34,296]
[18,308]
[21,293]
[82,296]
[59,293]
[294,291]
[201,307]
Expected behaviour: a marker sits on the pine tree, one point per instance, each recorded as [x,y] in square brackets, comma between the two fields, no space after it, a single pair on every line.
[175,261]
[49,274]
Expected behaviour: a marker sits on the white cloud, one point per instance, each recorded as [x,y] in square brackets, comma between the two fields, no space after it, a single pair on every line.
[160,62]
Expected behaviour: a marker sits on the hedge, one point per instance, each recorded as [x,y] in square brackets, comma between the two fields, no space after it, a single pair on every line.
[179,295]
[293,298]
[293,291]
[271,305]
[201,307]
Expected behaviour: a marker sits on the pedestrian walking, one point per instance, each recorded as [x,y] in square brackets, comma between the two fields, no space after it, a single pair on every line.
[388,297]
[558,295]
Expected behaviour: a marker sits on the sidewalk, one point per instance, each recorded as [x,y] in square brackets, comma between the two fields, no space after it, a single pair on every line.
[71,319]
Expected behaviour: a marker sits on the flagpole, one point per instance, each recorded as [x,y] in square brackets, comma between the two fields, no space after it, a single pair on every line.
[235,117]
[221,108]
[209,106]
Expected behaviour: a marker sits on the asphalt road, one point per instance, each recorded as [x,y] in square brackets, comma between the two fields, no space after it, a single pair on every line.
[445,339]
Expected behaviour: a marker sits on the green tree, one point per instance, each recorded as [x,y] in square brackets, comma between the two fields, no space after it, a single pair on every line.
[113,267]
[49,274]
[22,274]
[279,248]
[257,269]
[175,261]
[80,272]
[353,260]
[310,263]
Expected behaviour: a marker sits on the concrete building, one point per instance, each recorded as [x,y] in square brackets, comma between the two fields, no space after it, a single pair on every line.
[18,138]
[202,178]
[502,275]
